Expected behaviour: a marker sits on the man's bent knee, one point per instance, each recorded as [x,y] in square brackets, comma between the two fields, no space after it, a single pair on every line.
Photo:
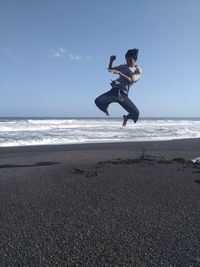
[102,106]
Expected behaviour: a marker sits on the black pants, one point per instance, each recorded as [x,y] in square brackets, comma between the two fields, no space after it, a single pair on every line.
[103,101]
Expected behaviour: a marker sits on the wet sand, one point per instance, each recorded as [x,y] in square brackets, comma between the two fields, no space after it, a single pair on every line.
[119,204]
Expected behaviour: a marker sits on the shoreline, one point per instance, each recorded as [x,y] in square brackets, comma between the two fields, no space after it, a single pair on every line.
[104,145]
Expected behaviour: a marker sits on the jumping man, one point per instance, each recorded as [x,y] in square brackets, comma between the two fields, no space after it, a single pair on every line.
[128,73]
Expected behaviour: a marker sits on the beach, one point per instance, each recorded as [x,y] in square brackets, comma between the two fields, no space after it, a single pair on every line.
[109,204]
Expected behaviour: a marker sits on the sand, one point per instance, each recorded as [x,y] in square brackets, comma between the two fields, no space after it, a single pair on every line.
[119,204]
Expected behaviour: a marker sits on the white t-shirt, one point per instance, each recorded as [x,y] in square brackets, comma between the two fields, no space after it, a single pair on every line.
[122,83]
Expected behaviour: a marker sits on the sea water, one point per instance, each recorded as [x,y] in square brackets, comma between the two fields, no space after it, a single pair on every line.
[50,131]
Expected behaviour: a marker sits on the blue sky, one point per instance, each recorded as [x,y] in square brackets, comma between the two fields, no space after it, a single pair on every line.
[54,55]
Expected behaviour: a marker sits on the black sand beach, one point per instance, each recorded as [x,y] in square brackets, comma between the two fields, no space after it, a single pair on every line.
[119,204]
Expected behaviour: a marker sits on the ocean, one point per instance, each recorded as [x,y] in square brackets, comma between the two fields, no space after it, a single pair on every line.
[50,131]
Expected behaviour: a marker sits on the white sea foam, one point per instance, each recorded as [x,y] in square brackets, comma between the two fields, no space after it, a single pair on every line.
[20,132]
[195,160]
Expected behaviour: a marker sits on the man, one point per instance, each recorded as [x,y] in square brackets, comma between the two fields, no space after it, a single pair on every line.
[128,73]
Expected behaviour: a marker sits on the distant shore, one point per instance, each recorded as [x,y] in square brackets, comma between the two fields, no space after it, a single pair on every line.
[105,204]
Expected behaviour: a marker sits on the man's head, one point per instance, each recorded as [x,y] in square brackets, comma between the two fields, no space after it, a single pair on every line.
[131,55]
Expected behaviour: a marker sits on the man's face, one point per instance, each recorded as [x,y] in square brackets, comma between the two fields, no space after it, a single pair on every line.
[130,61]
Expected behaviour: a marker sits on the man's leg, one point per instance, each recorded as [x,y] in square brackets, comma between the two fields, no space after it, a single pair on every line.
[104,100]
[131,108]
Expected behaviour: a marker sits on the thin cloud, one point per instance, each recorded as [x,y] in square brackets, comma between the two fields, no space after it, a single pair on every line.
[74,57]
[61,52]
[57,53]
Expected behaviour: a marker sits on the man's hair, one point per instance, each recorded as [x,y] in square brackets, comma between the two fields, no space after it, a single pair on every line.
[132,53]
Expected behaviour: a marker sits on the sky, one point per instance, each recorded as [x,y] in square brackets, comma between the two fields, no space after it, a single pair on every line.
[54,56]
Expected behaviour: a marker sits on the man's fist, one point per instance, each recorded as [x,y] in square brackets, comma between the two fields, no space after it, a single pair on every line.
[112,58]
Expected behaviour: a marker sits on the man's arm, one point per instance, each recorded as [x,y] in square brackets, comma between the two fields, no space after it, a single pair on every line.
[114,71]
[134,78]
[112,58]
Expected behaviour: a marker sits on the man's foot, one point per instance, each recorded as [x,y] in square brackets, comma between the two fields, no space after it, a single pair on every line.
[125,120]
[107,114]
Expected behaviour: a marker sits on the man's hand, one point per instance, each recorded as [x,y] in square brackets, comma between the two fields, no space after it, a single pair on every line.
[112,58]
[115,71]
